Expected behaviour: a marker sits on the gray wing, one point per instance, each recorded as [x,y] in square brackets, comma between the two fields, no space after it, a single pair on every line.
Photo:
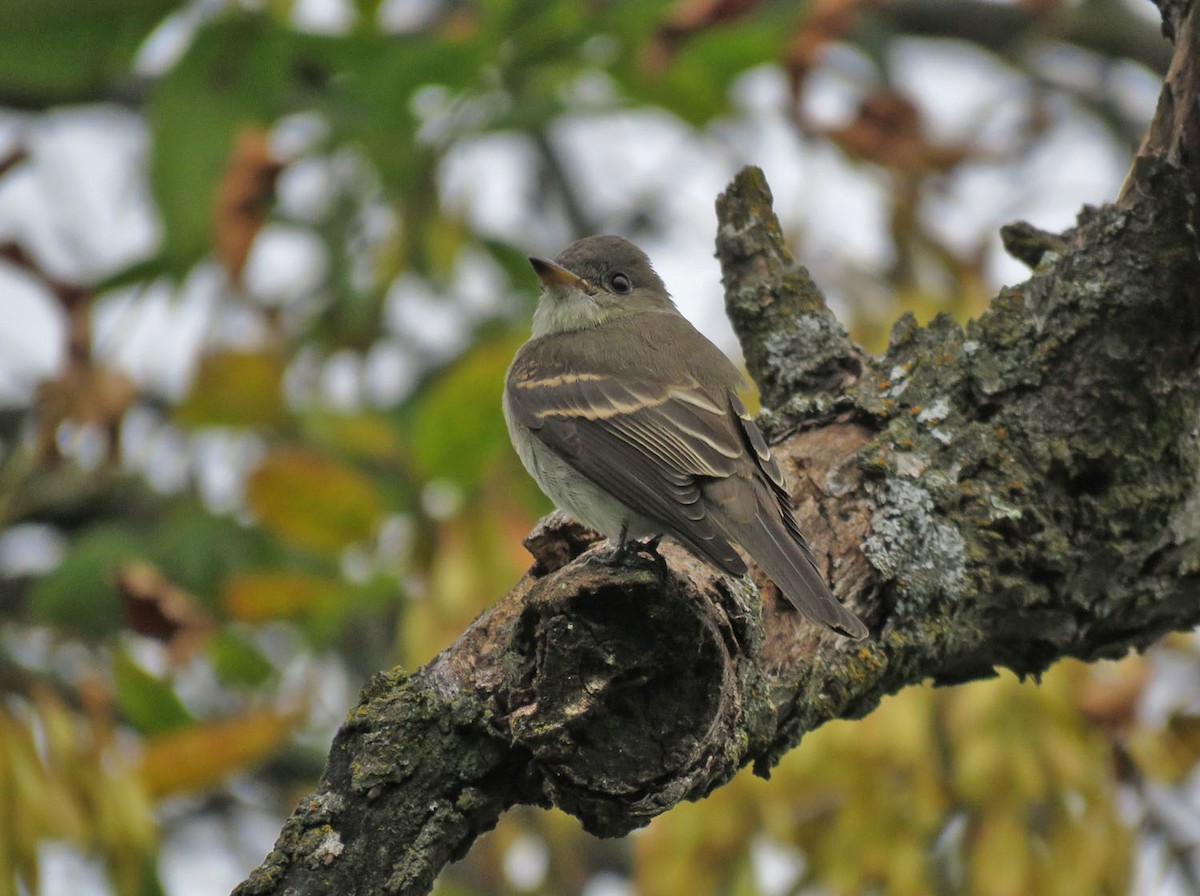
[686,456]
[780,497]
[651,446]
[774,540]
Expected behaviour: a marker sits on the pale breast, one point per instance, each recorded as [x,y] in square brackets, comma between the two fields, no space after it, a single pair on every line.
[571,491]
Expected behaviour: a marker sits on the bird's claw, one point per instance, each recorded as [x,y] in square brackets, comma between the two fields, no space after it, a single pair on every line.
[630,552]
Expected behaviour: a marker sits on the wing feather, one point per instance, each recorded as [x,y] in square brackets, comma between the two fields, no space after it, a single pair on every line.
[676,448]
[642,443]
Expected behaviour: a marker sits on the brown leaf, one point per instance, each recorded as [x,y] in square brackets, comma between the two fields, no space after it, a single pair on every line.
[244,194]
[84,393]
[1110,695]
[159,609]
[825,22]
[889,131]
[693,15]
[684,20]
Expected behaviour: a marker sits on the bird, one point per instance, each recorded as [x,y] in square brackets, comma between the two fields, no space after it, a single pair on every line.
[628,419]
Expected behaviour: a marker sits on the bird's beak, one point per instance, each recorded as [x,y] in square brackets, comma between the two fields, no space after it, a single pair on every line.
[556,276]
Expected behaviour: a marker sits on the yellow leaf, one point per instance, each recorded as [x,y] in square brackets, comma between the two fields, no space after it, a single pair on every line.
[476,557]
[67,786]
[262,596]
[369,436]
[313,500]
[25,816]
[235,388]
[1000,855]
[1171,753]
[124,826]
[202,755]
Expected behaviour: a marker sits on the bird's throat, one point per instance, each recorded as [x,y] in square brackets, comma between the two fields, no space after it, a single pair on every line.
[565,311]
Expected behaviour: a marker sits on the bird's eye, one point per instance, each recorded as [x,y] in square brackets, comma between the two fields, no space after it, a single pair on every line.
[620,283]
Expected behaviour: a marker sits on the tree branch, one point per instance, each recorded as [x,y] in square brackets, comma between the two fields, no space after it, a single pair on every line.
[1008,493]
[1111,30]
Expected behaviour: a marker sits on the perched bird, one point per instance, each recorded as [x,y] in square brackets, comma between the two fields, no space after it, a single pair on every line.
[629,420]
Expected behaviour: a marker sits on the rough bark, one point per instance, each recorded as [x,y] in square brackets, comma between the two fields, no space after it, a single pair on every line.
[1004,494]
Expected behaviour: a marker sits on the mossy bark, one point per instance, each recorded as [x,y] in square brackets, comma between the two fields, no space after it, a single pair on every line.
[1007,493]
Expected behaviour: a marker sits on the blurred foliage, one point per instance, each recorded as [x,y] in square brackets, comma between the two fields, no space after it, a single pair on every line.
[228,562]
[991,788]
[62,52]
[63,778]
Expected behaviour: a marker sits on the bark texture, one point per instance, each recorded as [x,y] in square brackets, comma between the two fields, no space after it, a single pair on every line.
[1005,494]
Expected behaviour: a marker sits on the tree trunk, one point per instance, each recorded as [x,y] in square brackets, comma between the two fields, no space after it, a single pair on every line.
[1004,494]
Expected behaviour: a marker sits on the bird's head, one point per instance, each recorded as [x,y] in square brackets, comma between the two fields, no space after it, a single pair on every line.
[594,280]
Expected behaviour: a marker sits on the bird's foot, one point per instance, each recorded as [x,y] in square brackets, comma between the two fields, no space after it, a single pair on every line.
[619,555]
[650,547]
[631,552]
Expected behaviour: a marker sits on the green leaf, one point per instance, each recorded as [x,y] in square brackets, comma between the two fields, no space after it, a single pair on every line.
[236,74]
[136,273]
[56,52]
[149,703]
[514,261]
[80,594]
[458,426]
[199,549]
[694,82]
[235,388]
[237,661]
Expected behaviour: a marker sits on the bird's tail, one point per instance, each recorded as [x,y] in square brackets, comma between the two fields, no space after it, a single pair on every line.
[785,557]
